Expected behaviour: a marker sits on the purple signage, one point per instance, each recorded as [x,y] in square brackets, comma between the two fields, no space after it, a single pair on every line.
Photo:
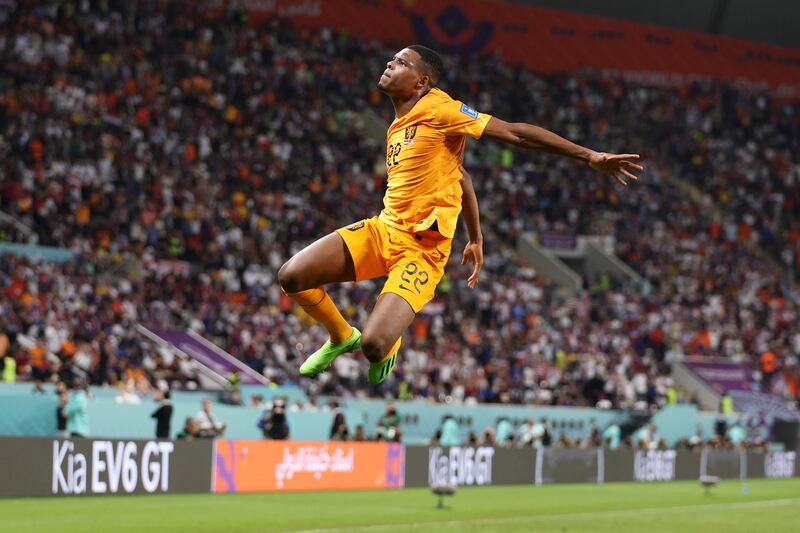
[721,374]
[553,240]
[763,408]
[206,353]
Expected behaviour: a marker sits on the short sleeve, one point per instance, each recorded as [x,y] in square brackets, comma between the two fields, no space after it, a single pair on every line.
[457,118]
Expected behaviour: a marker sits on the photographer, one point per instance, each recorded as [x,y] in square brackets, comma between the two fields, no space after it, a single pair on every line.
[208,425]
[273,423]
[189,431]
[389,425]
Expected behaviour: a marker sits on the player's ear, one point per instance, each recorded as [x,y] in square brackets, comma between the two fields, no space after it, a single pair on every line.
[424,82]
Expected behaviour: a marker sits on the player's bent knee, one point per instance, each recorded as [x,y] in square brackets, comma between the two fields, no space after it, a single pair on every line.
[288,278]
[374,349]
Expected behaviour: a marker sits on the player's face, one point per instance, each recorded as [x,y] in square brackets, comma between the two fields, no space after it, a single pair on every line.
[402,73]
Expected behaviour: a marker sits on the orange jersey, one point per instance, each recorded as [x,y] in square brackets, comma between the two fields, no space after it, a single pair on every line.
[423,160]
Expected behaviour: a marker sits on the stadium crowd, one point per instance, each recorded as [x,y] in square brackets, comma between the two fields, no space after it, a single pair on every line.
[183,159]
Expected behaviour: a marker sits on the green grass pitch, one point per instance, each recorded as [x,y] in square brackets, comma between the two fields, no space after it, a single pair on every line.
[768,505]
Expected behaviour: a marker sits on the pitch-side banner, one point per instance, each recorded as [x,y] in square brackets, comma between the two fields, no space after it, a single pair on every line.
[569,465]
[261,466]
[67,467]
[468,466]
[542,39]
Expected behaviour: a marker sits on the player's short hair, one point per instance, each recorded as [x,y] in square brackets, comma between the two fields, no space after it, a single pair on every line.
[431,60]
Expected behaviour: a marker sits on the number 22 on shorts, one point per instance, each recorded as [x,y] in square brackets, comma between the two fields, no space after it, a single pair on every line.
[414,277]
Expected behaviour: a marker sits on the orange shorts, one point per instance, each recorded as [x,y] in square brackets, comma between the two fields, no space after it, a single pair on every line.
[414,262]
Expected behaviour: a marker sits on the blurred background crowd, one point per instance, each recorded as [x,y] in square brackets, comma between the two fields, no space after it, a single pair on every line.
[183,160]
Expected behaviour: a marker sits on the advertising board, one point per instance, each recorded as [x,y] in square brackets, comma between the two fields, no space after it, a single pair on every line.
[57,467]
[263,466]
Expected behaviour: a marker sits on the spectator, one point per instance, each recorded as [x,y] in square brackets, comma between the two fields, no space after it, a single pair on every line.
[256,400]
[37,355]
[233,397]
[126,392]
[163,414]
[338,423]
[208,426]
[769,364]
[343,434]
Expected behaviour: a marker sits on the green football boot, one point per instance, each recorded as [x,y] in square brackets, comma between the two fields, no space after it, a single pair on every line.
[320,360]
[378,372]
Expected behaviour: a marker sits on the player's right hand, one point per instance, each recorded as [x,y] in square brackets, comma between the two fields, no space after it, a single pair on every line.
[473,252]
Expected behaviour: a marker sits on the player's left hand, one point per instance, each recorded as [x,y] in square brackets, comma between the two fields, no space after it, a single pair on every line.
[620,166]
[473,252]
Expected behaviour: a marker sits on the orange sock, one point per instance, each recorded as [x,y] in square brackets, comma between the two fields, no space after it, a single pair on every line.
[321,308]
[392,350]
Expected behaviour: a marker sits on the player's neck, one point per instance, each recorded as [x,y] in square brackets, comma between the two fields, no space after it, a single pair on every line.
[404,104]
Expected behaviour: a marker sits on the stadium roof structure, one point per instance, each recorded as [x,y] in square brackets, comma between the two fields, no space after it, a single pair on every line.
[766,21]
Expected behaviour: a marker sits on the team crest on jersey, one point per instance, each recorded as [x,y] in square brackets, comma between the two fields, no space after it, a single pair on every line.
[357,226]
[467,110]
[411,132]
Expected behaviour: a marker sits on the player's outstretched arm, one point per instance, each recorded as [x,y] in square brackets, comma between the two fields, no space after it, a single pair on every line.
[620,166]
[473,252]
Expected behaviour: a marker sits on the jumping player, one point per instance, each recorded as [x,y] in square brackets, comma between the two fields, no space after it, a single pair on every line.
[410,239]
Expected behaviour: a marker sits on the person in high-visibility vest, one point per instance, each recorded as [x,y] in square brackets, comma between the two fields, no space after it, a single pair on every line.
[9,370]
[726,404]
[9,363]
[672,396]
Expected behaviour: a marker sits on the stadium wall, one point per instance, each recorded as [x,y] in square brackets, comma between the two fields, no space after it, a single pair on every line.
[28,414]
[419,420]
[76,467]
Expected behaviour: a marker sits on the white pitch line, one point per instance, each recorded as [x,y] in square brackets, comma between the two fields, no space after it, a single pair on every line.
[528,518]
